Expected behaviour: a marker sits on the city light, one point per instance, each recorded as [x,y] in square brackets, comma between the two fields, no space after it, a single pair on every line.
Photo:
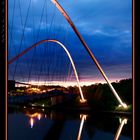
[124,105]
[83,100]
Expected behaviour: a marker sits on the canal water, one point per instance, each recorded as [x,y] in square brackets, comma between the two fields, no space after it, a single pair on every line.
[41,124]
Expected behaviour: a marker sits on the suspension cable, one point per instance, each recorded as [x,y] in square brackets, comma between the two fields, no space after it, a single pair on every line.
[22,36]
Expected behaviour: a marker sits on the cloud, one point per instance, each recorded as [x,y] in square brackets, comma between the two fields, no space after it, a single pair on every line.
[105,25]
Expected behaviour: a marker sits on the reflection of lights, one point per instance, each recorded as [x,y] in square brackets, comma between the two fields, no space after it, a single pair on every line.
[33,115]
[43,105]
[39,116]
[24,106]
[31,122]
[42,109]
[45,116]
[81,115]
[81,126]
[125,120]
[122,122]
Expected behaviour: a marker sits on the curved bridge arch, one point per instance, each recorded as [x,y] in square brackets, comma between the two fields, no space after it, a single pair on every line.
[67,52]
[66,16]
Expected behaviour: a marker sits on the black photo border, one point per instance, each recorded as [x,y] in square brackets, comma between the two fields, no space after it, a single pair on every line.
[3,72]
[136,68]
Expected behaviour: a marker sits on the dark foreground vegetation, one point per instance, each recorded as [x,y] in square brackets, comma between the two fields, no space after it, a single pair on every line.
[100,97]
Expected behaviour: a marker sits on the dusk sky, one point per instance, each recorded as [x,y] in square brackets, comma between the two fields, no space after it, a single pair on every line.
[105,25]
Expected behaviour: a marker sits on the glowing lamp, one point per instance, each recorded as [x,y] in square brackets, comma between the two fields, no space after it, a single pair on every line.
[82,100]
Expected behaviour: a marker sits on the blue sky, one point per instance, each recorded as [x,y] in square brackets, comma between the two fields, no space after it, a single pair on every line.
[105,25]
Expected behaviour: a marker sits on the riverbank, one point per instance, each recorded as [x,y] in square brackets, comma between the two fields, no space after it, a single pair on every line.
[81,110]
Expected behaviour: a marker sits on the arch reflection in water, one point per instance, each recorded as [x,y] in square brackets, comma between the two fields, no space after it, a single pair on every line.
[83,118]
[33,118]
[122,123]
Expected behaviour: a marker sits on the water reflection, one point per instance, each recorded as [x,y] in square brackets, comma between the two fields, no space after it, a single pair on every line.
[31,122]
[52,125]
[38,115]
[122,122]
[32,118]
[83,118]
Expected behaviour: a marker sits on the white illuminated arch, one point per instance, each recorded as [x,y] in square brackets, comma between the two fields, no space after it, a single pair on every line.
[68,54]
